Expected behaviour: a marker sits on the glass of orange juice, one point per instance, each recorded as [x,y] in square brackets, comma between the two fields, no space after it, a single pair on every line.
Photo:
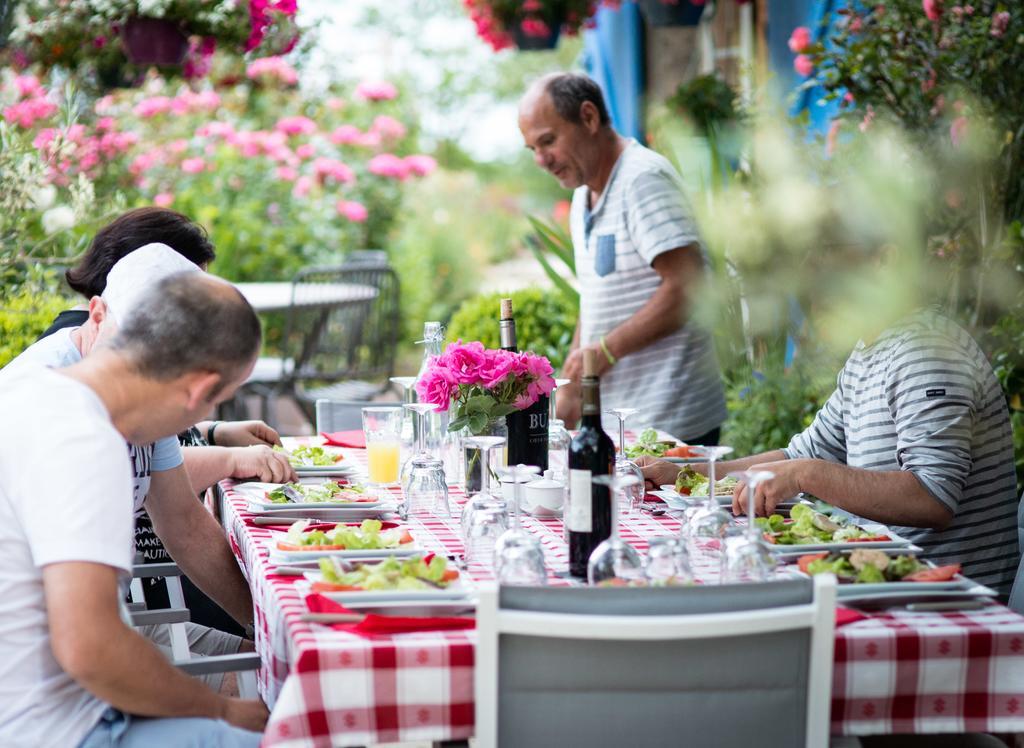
[382,426]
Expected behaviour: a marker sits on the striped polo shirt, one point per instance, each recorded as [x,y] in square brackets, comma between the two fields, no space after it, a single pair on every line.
[923,398]
[675,382]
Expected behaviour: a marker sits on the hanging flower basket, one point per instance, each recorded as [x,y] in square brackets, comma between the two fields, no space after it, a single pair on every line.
[672,12]
[154,41]
[528,38]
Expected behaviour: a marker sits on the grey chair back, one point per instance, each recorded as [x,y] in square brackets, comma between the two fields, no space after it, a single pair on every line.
[339,415]
[729,690]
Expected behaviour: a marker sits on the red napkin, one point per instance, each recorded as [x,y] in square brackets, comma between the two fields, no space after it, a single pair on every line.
[846,615]
[375,624]
[354,439]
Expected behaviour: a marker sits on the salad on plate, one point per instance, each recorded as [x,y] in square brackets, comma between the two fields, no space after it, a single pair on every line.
[421,573]
[806,526]
[869,566]
[370,535]
[311,456]
[327,492]
[648,444]
[691,483]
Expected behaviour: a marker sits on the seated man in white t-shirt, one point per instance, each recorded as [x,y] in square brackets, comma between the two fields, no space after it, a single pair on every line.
[161,486]
[72,672]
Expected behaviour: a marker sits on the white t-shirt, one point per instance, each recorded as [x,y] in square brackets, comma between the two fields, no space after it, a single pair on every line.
[674,383]
[65,495]
[59,350]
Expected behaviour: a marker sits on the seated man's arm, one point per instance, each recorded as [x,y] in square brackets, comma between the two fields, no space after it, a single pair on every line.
[196,542]
[207,465]
[113,662]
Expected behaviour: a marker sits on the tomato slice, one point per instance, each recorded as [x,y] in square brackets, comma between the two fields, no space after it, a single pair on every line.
[283,546]
[405,537]
[332,587]
[450,575]
[769,537]
[937,574]
[805,561]
[683,450]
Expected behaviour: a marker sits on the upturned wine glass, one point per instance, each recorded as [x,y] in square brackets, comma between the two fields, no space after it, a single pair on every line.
[615,562]
[419,412]
[710,521]
[408,387]
[558,440]
[747,557]
[518,554]
[624,466]
[485,516]
[667,562]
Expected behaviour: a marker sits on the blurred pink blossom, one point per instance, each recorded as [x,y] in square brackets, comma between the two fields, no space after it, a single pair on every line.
[305,151]
[420,165]
[799,40]
[932,9]
[297,125]
[163,199]
[376,91]
[286,173]
[152,106]
[330,168]
[353,211]
[368,139]
[388,165]
[958,131]
[272,67]
[335,104]
[26,113]
[388,127]
[193,165]
[803,65]
[302,187]
[345,134]
[28,86]
[1000,22]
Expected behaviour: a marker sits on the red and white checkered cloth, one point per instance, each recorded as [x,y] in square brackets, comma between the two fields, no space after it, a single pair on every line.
[897,672]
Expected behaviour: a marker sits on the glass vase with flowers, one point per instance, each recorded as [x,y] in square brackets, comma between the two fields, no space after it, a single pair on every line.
[480,386]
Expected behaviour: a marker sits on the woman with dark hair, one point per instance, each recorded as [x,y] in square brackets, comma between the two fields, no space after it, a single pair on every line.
[125,234]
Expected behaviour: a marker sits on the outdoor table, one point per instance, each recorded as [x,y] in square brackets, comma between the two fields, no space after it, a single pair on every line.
[897,672]
[277,296]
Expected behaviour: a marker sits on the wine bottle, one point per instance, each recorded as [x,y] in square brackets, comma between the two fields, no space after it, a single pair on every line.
[528,428]
[588,517]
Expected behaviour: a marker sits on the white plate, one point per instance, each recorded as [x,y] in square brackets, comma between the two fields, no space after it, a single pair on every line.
[458,590]
[919,591]
[341,468]
[284,557]
[322,513]
[895,541]
[465,606]
[684,460]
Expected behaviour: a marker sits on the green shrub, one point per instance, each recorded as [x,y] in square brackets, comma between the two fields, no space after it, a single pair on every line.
[545,321]
[24,314]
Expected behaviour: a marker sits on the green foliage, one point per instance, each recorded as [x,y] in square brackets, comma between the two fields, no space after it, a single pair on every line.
[768,408]
[552,239]
[708,101]
[24,314]
[545,322]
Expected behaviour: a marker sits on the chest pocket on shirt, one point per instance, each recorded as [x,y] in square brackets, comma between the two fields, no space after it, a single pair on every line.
[604,259]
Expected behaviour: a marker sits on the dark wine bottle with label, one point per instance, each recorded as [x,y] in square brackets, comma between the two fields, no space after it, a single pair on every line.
[588,518]
[527,429]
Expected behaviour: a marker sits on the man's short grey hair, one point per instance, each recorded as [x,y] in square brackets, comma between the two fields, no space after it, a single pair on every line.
[190,322]
[568,92]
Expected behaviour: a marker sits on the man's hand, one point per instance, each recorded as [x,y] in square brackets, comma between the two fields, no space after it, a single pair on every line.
[245,433]
[262,463]
[770,493]
[569,404]
[248,714]
[573,367]
[657,472]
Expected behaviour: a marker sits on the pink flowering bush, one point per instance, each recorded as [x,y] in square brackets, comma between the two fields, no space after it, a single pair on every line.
[481,384]
[498,21]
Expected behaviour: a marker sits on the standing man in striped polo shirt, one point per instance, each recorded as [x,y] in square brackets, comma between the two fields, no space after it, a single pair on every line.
[917,436]
[638,260]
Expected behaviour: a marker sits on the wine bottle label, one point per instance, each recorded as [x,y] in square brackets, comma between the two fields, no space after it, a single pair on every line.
[579,517]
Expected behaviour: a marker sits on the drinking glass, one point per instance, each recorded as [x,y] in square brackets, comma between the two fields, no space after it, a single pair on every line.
[408,387]
[426,491]
[383,429]
[668,562]
[747,557]
[558,440]
[710,521]
[419,412]
[518,554]
[485,516]
[625,466]
[615,562]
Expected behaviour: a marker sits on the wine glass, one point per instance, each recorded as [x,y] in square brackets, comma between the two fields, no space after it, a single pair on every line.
[667,562]
[710,521]
[485,516]
[747,557]
[615,562]
[419,413]
[625,466]
[518,554]
[426,491]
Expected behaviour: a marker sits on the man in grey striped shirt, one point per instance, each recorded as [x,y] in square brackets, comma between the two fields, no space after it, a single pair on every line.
[638,260]
[917,436]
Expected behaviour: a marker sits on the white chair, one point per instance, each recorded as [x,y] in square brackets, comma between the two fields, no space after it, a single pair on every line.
[709,666]
[176,617]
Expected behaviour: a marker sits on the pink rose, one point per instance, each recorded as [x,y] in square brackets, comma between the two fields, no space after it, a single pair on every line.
[499,366]
[958,131]
[163,199]
[803,65]
[353,211]
[193,165]
[799,40]
[388,165]
[376,91]
[1000,22]
[436,386]
[932,9]
[465,361]
[420,165]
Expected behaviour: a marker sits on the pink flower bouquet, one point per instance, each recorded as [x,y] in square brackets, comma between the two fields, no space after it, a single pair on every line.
[482,384]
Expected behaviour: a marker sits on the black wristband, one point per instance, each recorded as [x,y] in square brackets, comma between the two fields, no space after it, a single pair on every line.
[209,433]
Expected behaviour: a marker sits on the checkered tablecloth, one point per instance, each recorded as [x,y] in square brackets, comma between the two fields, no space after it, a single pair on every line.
[896,672]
